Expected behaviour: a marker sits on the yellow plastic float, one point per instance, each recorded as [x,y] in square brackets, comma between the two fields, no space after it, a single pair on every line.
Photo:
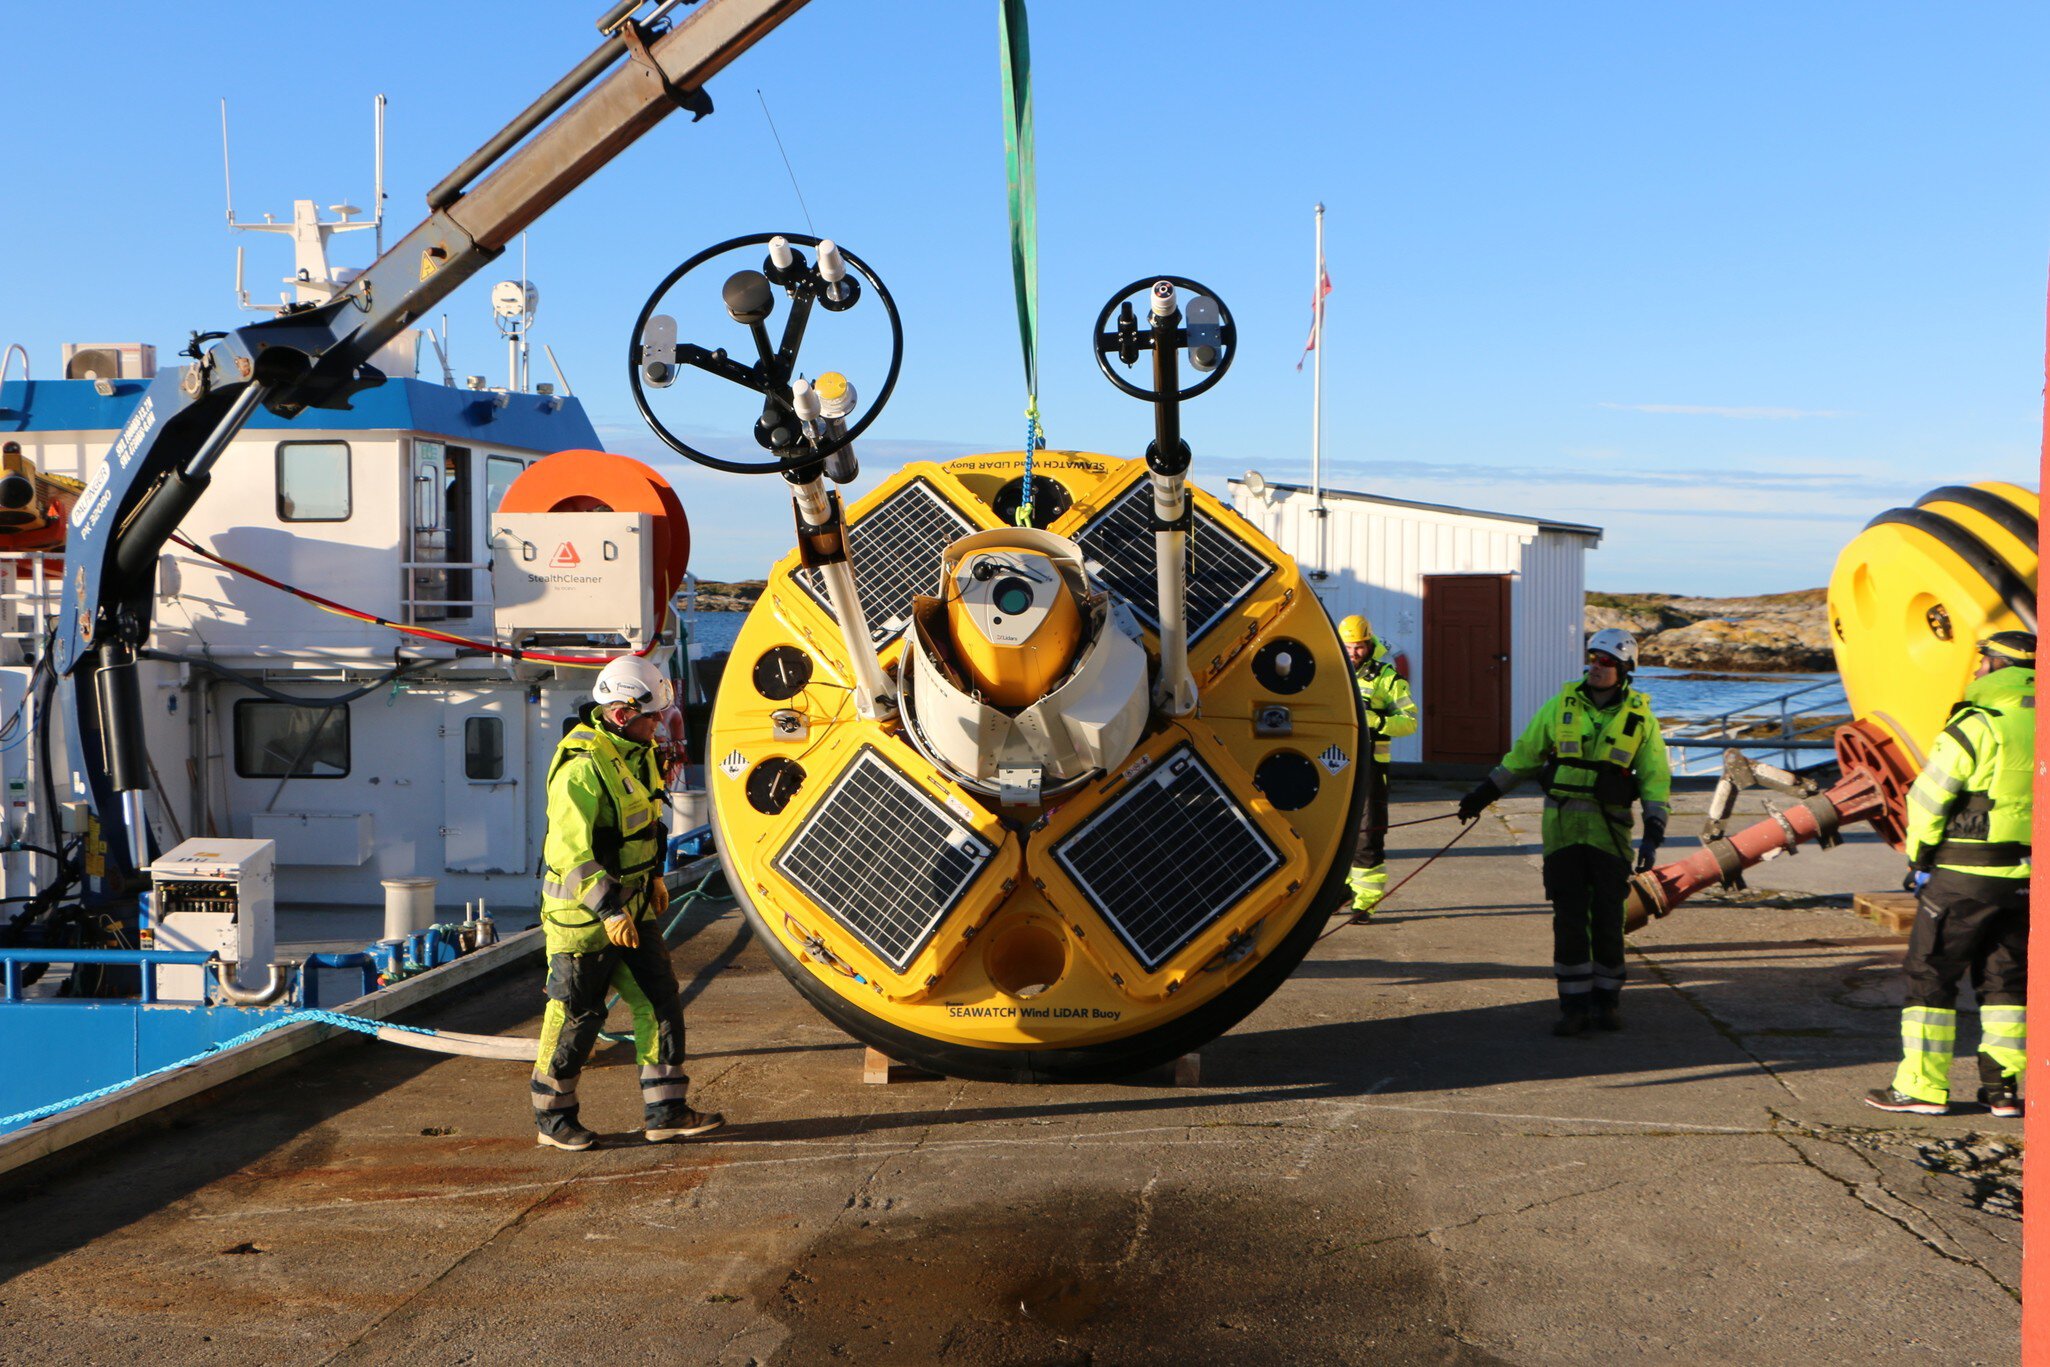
[1116,923]
[1910,598]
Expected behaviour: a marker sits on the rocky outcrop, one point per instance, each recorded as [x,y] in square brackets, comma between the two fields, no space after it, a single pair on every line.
[718,596]
[1774,633]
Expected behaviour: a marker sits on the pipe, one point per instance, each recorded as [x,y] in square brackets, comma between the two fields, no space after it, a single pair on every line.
[1858,797]
[822,527]
[277,981]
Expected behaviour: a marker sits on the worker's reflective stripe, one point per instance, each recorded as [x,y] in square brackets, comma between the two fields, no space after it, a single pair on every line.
[2003,1025]
[1937,777]
[566,886]
[1503,779]
[1660,810]
[553,1093]
[1927,801]
[1929,1025]
[1574,978]
[1609,978]
[1928,1037]
[1618,755]
[671,1086]
[632,822]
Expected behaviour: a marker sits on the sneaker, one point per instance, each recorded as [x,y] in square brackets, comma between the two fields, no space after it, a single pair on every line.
[1572,1023]
[685,1126]
[1608,1018]
[1887,1099]
[2001,1102]
[571,1136]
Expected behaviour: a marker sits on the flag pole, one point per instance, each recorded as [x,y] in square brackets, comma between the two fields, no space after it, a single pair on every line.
[1317,510]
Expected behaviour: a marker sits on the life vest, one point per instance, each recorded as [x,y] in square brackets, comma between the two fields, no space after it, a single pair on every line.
[626,833]
[1590,766]
[1989,828]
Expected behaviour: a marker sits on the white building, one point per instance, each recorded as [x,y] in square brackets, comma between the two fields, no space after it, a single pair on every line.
[1486,607]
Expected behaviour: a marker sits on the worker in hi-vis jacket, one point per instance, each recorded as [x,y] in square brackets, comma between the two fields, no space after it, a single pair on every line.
[1968,843]
[1595,748]
[1389,712]
[600,898]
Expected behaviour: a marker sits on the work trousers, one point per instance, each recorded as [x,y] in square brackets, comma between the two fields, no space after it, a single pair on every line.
[1586,888]
[1965,923]
[578,985]
[1370,843]
[1369,876]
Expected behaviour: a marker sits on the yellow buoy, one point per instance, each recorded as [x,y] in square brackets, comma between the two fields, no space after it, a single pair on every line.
[1119,885]
[1909,600]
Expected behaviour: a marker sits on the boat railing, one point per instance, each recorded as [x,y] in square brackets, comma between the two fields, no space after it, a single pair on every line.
[31,591]
[426,594]
[1800,719]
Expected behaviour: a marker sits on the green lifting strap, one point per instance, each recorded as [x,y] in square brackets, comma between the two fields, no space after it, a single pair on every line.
[1015,53]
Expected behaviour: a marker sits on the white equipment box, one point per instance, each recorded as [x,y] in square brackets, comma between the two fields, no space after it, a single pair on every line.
[219,896]
[574,573]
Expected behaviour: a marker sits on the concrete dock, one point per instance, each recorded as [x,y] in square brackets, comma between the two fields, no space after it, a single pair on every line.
[1391,1161]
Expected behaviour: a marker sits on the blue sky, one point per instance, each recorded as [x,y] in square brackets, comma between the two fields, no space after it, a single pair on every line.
[1725,280]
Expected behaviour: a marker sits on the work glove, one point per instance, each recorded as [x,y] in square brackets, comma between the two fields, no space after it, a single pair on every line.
[1477,801]
[620,929]
[658,894]
[1648,848]
[1914,881]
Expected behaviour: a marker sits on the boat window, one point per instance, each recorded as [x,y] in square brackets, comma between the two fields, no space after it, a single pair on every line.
[484,749]
[313,481]
[290,740]
[499,473]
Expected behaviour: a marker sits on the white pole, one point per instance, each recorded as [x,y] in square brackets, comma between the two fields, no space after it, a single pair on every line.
[1317,401]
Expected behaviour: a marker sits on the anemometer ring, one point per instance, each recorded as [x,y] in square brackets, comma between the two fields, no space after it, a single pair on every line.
[803,285]
[1126,344]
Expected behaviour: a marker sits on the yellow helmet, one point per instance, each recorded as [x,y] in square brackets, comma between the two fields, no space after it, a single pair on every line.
[1355,630]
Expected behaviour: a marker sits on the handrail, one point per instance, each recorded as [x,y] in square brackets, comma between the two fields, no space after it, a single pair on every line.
[148,960]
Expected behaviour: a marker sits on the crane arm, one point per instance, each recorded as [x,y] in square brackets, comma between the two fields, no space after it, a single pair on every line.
[318,357]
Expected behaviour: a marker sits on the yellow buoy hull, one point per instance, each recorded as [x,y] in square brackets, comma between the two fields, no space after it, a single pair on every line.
[1126,920]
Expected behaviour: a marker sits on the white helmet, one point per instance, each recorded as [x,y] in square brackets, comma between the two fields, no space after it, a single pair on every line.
[634,681]
[1616,642]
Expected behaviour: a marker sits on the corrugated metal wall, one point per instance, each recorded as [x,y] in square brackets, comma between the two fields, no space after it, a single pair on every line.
[1379,554]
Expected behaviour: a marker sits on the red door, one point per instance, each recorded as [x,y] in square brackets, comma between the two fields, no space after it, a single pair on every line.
[1466,668]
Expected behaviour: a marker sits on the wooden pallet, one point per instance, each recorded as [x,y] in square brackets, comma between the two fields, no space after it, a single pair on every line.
[1890,911]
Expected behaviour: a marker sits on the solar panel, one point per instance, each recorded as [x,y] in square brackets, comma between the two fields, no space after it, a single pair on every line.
[1117,546]
[883,858]
[896,549]
[1168,857]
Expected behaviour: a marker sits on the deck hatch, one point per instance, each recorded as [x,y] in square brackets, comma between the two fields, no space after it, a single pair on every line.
[883,858]
[1202,854]
[896,549]
[1117,545]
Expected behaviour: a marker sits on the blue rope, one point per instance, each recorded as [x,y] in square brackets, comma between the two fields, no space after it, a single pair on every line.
[356,1023]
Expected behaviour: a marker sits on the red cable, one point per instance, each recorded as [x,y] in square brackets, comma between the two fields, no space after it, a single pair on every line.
[586,661]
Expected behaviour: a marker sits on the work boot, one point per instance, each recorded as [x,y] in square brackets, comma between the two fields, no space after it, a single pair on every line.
[1572,1020]
[1602,1005]
[2002,1101]
[560,1130]
[682,1123]
[1887,1099]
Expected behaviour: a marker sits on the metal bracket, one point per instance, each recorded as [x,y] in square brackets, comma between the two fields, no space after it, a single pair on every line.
[697,102]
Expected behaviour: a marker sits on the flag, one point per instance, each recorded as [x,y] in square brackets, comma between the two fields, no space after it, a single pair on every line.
[1316,313]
